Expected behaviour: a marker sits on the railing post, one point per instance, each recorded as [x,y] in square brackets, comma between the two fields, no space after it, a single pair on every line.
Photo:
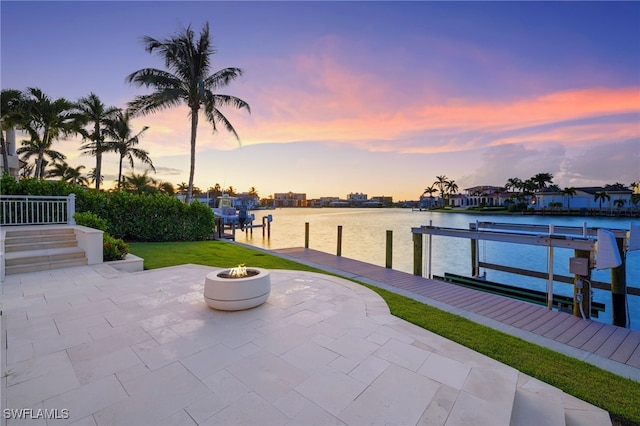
[339,248]
[71,208]
[389,250]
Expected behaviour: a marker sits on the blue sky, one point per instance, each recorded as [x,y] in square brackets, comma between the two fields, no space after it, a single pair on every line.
[373,97]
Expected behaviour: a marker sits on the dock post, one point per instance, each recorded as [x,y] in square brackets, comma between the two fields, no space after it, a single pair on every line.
[269,219]
[585,290]
[475,269]
[417,254]
[619,289]
[306,235]
[389,250]
[339,248]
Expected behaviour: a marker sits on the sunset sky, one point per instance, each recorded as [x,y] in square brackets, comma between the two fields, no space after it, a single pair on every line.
[370,97]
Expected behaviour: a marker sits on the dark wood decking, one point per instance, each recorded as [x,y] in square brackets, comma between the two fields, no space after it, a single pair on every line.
[607,341]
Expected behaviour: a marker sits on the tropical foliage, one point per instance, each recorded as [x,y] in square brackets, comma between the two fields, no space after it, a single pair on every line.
[123,141]
[90,110]
[45,120]
[187,81]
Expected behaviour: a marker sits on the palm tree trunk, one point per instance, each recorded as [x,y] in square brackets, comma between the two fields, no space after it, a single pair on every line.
[194,130]
[98,169]
[120,180]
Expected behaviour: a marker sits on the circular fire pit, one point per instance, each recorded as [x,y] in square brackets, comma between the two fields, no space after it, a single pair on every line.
[226,291]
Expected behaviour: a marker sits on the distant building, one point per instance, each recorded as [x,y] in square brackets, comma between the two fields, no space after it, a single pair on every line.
[13,160]
[357,197]
[289,199]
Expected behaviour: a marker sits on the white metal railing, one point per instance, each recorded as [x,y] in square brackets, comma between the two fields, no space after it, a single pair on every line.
[37,209]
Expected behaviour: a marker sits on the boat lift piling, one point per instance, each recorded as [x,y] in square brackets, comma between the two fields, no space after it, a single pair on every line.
[580,239]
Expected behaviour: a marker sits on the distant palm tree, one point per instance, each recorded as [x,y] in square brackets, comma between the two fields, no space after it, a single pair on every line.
[619,203]
[122,141]
[452,188]
[91,111]
[34,147]
[513,183]
[140,183]
[92,175]
[430,190]
[46,121]
[541,179]
[570,192]
[189,63]
[166,188]
[601,196]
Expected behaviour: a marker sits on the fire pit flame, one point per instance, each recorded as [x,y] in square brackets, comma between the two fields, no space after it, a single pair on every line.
[239,271]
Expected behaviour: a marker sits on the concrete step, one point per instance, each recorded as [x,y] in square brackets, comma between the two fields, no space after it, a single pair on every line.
[35,231]
[41,256]
[44,266]
[39,245]
[537,403]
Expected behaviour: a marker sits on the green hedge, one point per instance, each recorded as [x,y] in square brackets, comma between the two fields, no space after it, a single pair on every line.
[132,217]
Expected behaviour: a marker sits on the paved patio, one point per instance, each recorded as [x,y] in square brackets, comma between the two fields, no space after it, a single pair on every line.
[144,349]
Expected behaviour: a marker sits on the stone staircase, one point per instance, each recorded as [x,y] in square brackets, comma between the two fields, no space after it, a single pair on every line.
[537,403]
[41,248]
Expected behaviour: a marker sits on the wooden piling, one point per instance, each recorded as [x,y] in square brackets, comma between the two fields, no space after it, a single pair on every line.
[417,254]
[339,248]
[619,289]
[475,268]
[389,250]
[306,235]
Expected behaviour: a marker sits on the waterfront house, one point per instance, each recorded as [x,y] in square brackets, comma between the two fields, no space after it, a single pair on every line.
[617,199]
[289,199]
[483,195]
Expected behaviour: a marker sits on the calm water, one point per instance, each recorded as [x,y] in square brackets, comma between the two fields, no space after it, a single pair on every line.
[364,234]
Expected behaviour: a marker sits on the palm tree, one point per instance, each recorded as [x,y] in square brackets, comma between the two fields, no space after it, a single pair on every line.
[123,141]
[182,189]
[91,111]
[166,188]
[440,182]
[140,183]
[451,188]
[46,121]
[92,175]
[541,179]
[189,63]
[34,147]
[601,196]
[513,183]
[58,170]
[12,114]
[619,203]
[570,192]
[429,190]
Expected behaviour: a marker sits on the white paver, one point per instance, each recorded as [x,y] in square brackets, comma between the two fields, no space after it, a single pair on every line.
[145,349]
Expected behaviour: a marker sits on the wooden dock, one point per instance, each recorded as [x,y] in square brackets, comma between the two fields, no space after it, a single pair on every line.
[612,348]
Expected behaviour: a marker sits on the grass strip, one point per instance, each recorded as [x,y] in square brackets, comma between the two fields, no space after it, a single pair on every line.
[617,395]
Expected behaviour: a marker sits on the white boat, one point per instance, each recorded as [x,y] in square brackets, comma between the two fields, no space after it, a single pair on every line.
[226,209]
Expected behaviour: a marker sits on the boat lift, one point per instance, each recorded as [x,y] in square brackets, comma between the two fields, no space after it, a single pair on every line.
[594,249]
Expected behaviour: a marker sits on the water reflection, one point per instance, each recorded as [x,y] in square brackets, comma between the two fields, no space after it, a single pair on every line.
[364,236]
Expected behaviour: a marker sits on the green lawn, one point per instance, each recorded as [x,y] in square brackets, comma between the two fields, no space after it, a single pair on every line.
[619,396]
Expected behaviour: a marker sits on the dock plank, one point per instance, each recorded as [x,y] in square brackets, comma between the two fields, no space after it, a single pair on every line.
[607,341]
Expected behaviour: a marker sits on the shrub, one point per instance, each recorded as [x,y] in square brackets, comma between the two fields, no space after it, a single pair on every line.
[152,218]
[113,248]
[90,220]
